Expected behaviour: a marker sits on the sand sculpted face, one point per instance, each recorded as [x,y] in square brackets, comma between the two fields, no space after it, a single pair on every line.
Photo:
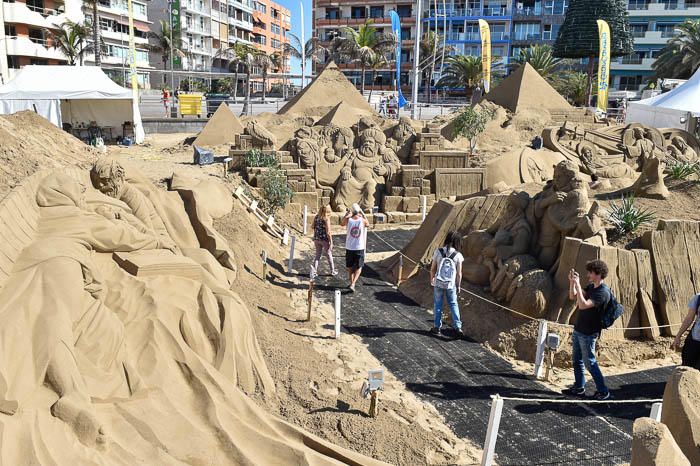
[107,176]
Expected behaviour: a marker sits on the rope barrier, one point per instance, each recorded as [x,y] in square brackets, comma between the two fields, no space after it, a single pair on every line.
[582,401]
[506,308]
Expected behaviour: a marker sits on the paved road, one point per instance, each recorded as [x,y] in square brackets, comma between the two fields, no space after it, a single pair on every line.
[459,377]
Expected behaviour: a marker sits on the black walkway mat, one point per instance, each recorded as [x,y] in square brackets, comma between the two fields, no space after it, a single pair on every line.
[459,377]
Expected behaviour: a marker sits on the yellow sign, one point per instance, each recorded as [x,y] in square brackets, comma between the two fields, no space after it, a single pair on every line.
[603,65]
[485,53]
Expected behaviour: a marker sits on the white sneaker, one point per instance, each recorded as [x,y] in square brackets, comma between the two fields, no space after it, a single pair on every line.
[334,273]
[352,288]
[312,273]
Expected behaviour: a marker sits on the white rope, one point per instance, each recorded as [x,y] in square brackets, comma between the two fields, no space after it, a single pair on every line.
[582,401]
[525,316]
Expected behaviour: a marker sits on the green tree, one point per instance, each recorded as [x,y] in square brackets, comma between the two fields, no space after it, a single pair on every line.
[72,40]
[470,123]
[276,193]
[362,45]
[461,71]
[540,58]
[377,63]
[95,30]
[578,36]
[247,56]
[161,44]
[573,85]
[310,50]
[279,64]
[680,58]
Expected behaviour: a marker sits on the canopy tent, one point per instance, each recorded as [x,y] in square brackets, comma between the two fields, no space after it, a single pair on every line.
[71,94]
[678,108]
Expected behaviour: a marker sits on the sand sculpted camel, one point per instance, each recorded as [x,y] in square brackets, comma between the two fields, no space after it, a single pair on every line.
[121,336]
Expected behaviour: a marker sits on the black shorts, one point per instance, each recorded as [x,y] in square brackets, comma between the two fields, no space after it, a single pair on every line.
[354,259]
[690,355]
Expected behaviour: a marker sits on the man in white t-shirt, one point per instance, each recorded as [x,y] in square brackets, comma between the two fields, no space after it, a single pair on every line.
[690,354]
[355,243]
[446,277]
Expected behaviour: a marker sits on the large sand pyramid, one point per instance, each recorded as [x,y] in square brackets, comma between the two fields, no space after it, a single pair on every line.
[328,89]
[524,89]
[221,128]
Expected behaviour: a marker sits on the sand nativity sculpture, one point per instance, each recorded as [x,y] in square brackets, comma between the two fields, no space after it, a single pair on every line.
[116,300]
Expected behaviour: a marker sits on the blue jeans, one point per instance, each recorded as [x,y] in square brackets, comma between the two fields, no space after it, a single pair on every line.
[438,298]
[584,356]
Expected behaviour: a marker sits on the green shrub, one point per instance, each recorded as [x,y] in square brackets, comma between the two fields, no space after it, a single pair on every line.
[257,158]
[276,193]
[470,123]
[626,217]
[680,170]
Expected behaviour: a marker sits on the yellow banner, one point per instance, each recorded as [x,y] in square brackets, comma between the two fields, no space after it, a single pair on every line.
[603,65]
[485,53]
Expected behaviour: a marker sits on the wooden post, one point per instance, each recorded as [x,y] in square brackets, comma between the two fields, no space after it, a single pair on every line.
[310,300]
[424,206]
[539,355]
[290,264]
[374,403]
[400,274]
[492,431]
[263,255]
[305,217]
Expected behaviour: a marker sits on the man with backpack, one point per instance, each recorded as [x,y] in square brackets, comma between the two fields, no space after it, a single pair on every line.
[355,243]
[690,354]
[446,277]
[597,309]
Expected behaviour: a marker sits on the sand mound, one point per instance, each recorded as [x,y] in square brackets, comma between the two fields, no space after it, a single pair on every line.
[327,90]
[526,89]
[29,142]
[341,115]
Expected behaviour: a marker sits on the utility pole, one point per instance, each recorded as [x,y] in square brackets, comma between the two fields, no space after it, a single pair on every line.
[172,59]
[416,60]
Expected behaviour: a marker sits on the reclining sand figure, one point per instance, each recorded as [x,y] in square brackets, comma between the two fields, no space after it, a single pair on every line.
[45,335]
[368,166]
[681,151]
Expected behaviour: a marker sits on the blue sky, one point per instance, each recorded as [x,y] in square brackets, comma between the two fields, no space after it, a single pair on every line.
[294,8]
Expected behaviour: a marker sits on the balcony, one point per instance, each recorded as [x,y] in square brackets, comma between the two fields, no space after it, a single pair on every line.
[20,13]
[119,8]
[632,64]
[121,36]
[527,12]
[466,12]
[652,37]
[197,29]
[245,5]
[687,9]
[239,23]
[23,46]
[356,21]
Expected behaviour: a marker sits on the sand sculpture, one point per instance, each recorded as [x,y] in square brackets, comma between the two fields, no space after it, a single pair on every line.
[261,138]
[524,88]
[653,445]
[116,301]
[222,128]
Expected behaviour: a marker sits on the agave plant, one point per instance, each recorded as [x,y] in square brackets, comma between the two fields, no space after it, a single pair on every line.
[680,170]
[627,217]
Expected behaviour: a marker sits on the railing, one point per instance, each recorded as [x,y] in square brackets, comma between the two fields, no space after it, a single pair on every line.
[629,60]
[638,34]
[526,37]
[495,11]
[39,40]
[47,11]
[536,11]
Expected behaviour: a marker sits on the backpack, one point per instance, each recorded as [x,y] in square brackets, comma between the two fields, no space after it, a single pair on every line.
[612,311]
[445,277]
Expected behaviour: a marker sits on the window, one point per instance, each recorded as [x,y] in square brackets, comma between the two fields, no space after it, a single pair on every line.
[275,28]
[12,62]
[36,36]
[261,7]
[555,7]
[262,40]
[275,44]
[36,5]
[630,83]
[404,11]
[526,31]
[333,13]
[376,11]
[667,30]
[38,61]
[10,30]
[637,4]
[638,30]
[358,12]
[406,33]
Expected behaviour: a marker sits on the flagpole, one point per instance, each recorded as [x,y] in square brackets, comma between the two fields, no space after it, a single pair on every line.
[416,60]
[303,45]
[139,134]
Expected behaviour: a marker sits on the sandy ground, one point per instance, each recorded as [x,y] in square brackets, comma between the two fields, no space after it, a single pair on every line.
[318,378]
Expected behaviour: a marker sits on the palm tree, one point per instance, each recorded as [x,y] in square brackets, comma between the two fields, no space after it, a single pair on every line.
[311,50]
[431,46]
[71,39]
[264,62]
[461,71]
[247,57]
[681,55]
[162,42]
[363,44]
[279,63]
[540,58]
[92,5]
[375,65]
[573,85]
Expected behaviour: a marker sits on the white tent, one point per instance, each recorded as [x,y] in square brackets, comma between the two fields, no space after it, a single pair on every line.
[71,94]
[678,108]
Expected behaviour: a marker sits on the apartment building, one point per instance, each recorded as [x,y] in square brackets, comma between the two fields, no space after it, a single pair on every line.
[330,16]
[653,23]
[23,40]
[271,24]
[514,25]
[113,16]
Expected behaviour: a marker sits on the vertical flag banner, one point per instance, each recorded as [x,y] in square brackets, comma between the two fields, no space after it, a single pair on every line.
[175,27]
[396,29]
[485,33]
[603,65]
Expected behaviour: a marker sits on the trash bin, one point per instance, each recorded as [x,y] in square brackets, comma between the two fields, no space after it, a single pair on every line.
[215,100]
[190,104]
